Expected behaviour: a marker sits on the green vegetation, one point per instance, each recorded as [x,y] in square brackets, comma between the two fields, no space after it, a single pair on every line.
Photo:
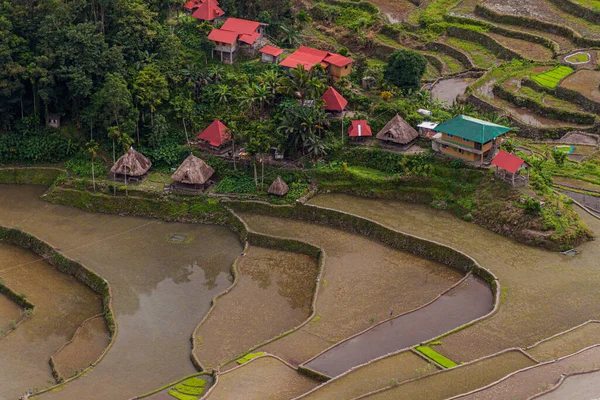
[482,56]
[435,356]
[181,396]
[405,69]
[194,382]
[578,58]
[249,357]
[550,79]
[189,390]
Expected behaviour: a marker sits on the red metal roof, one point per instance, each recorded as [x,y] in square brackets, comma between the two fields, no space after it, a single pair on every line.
[359,128]
[250,39]
[216,134]
[507,161]
[271,50]
[306,60]
[193,4]
[314,52]
[221,36]
[208,11]
[338,60]
[241,26]
[334,101]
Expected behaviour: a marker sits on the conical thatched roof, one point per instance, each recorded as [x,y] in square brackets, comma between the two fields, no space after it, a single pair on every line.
[279,187]
[131,163]
[398,131]
[193,171]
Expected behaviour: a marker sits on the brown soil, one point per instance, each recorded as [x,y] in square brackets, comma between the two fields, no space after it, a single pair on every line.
[458,380]
[525,384]
[357,271]
[585,82]
[10,313]
[377,375]
[396,10]
[86,347]
[273,295]
[529,50]
[568,343]
[265,378]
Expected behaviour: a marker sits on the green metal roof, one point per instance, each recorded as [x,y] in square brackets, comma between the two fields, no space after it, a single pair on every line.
[471,128]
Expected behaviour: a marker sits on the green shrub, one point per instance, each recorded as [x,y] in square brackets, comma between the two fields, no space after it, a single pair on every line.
[194,382]
[249,357]
[181,396]
[81,166]
[49,147]
[197,391]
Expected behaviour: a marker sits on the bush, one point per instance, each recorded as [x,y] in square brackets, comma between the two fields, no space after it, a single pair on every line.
[533,206]
[51,147]
[405,69]
[81,166]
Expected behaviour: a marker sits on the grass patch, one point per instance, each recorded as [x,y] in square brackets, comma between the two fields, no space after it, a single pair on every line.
[192,391]
[550,79]
[194,382]
[181,396]
[435,356]
[249,357]
[482,56]
[578,58]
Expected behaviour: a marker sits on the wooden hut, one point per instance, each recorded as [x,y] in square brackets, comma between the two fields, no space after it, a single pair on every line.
[279,187]
[132,165]
[398,133]
[193,173]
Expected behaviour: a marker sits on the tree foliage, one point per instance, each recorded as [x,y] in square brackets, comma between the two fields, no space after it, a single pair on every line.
[405,69]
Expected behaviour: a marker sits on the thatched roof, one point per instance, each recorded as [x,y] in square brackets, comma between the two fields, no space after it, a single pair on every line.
[279,187]
[193,171]
[398,131]
[131,163]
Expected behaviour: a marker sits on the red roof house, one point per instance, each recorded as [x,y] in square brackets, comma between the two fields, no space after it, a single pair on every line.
[334,101]
[359,128]
[235,30]
[509,163]
[308,57]
[217,134]
[241,26]
[208,11]
[221,36]
[271,50]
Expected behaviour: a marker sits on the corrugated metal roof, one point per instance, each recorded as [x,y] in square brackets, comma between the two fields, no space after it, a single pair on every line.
[221,36]
[334,101]
[241,26]
[216,134]
[360,128]
[508,162]
[470,128]
[338,60]
[271,50]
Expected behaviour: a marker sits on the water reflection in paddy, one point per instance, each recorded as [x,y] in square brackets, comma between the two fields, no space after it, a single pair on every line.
[161,289]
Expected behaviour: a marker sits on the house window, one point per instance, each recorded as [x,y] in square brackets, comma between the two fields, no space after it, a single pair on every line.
[465,140]
[346,67]
[444,146]
[449,135]
[460,151]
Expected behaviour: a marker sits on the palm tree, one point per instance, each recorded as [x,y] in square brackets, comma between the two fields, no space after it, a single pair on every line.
[271,80]
[304,126]
[92,148]
[126,141]
[114,134]
[302,83]
[289,36]
[216,72]
[223,93]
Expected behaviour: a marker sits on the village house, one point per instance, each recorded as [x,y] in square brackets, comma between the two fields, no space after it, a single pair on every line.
[397,133]
[53,121]
[132,166]
[427,129]
[236,34]
[336,65]
[358,130]
[271,54]
[279,187]
[216,135]
[335,103]
[205,10]
[193,174]
[469,139]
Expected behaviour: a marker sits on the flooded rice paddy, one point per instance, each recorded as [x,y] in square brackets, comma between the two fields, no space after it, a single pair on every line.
[273,295]
[470,300]
[362,283]
[62,304]
[447,90]
[161,290]
[577,387]
[396,10]
[265,378]
[543,293]
[592,202]
[10,314]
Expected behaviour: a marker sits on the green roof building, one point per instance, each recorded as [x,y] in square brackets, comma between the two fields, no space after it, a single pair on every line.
[469,139]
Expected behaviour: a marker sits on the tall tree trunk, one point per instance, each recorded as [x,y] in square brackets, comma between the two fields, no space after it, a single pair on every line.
[255,174]
[114,175]
[93,175]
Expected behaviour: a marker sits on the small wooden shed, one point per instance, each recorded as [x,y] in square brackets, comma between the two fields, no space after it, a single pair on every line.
[398,132]
[132,165]
[279,187]
[193,173]
[271,54]
[53,121]
[512,164]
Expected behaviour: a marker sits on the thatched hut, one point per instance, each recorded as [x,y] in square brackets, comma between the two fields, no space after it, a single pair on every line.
[398,132]
[279,187]
[193,173]
[132,165]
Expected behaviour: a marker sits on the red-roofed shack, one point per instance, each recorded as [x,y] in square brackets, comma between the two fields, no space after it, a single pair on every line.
[337,65]
[359,129]
[236,33]
[271,54]
[512,164]
[216,135]
[208,10]
[334,101]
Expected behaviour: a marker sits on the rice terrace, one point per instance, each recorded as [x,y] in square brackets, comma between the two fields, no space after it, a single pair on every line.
[300,199]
